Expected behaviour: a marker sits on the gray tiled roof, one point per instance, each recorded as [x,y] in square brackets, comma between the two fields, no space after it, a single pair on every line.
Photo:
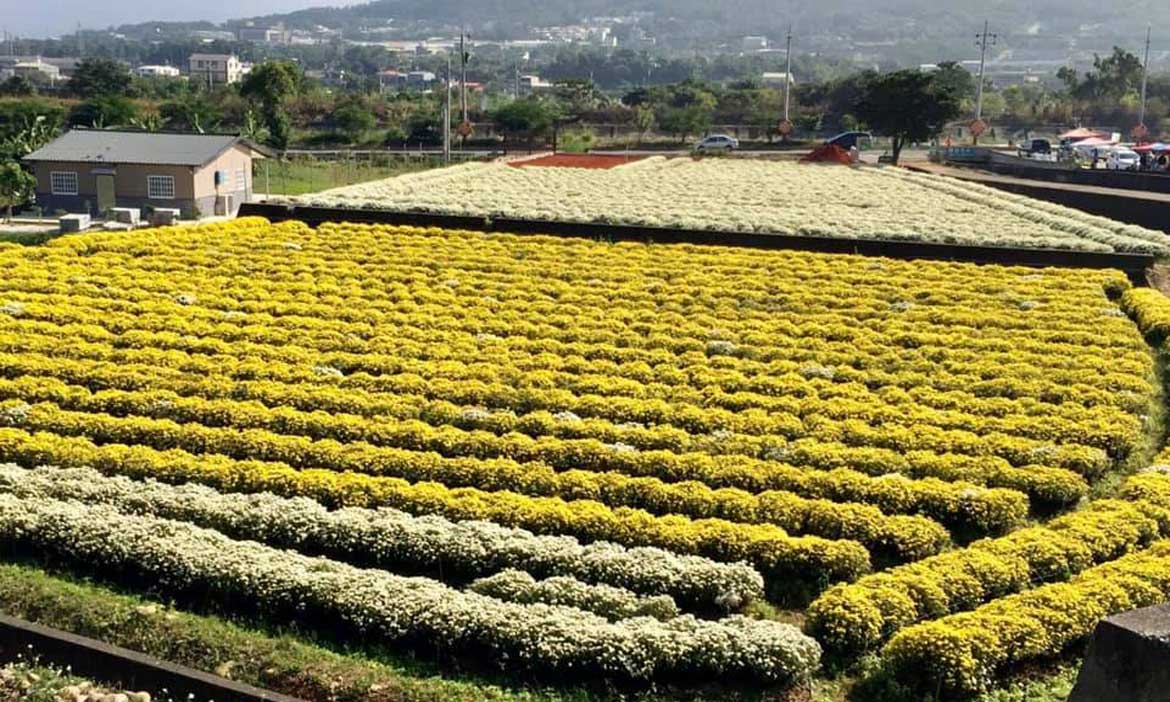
[100,146]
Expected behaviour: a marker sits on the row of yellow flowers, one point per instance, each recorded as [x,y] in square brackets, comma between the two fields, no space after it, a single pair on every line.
[956,355]
[956,504]
[641,321]
[963,653]
[950,454]
[255,255]
[1010,372]
[788,562]
[276,247]
[859,616]
[1104,427]
[1086,445]
[902,538]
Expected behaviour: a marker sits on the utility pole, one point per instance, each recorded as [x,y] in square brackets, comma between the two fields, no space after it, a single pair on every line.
[447,114]
[787,69]
[462,78]
[1145,74]
[983,41]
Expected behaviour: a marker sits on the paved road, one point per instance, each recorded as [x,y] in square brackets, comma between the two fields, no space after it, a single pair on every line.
[993,178]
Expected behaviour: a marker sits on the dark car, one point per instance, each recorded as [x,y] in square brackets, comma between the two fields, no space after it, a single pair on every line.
[1035,146]
[847,140]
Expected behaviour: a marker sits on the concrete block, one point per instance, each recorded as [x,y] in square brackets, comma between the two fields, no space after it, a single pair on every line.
[1128,659]
[126,215]
[164,216]
[71,223]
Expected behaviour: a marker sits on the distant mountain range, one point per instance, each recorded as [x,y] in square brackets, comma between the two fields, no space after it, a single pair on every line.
[905,31]
[858,18]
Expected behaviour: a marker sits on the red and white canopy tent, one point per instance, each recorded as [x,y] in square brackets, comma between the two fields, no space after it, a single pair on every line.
[1081,133]
[1094,141]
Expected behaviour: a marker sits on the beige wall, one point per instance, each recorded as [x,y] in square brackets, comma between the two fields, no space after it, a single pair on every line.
[129,179]
[233,160]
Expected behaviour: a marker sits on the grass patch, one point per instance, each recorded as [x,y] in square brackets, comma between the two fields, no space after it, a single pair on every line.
[300,176]
[1045,687]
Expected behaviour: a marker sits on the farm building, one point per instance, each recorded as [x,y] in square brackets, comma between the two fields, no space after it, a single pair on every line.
[94,170]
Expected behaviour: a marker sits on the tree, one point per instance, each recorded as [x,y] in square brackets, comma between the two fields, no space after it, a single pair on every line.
[954,79]
[18,86]
[194,112]
[149,121]
[907,106]
[353,119]
[98,77]
[253,128]
[16,186]
[684,121]
[530,116]
[33,132]
[1112,77]
[103,112]
[272,84]
[644,118]
[1068,76]
[579,96]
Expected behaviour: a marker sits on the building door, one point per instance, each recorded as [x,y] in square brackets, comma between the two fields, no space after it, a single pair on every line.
[105,193]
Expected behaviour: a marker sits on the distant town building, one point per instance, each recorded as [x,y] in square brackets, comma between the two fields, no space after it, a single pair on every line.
[390,80]
[215,69]
[531,83]
[420,79]
[210,35]
[393,81]
[777,79]
[637,38]
[753,43]
[152,71]
[38,68]
[91,171]
[66,65]
[275,34]
[333,75]
[37,71]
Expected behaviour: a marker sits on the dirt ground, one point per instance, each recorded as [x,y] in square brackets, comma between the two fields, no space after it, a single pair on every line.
[1159,277]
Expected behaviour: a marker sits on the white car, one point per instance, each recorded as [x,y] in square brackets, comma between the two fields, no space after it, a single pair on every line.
[718,142]
[1123,160]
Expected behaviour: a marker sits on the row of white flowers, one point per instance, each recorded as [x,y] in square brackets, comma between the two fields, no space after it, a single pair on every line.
[752,195]
[388,538]
[184,559]
[608,601]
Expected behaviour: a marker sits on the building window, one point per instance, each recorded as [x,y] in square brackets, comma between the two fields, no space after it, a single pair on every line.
[241,179]
[63,182]
[160,187]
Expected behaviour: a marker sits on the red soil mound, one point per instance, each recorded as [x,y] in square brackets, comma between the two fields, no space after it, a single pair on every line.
[576,161]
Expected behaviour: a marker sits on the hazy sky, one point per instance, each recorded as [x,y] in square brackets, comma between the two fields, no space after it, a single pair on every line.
[39,18]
